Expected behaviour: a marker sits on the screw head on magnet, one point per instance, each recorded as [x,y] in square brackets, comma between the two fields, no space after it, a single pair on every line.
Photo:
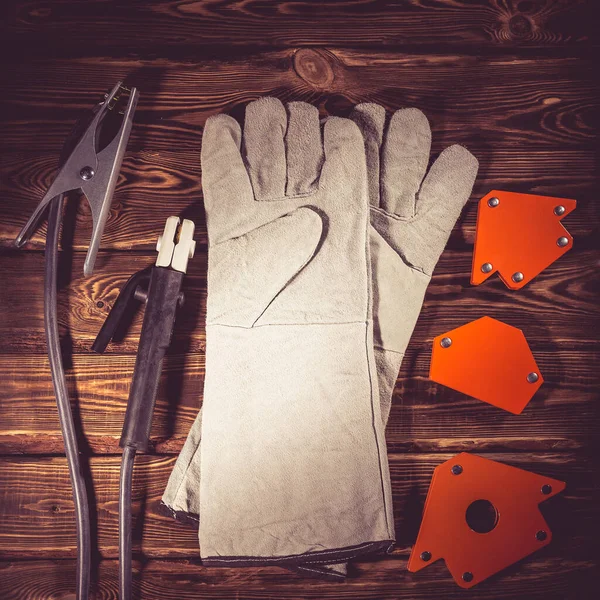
[456,470]
[486,267]
[467,576]
[559,210]
[562,241]
[446,342]
[517,277]
[532,377]
[87,173]
[541,535]
[493,202]
[425,556]
[546,489]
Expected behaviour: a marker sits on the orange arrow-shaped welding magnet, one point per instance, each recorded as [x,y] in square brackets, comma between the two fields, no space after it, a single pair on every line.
[489,360]
[480,517]
[519,235]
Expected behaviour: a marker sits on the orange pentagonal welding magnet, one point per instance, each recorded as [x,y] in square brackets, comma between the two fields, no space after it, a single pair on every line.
[489,360]
[480,517]
[519,235]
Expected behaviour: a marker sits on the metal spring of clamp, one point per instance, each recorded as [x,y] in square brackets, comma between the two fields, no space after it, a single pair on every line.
[92,172]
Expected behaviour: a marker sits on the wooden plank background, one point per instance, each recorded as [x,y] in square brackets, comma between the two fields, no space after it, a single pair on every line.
[514,81]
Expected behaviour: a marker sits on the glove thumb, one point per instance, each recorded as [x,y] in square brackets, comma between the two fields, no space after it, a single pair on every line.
[248,272]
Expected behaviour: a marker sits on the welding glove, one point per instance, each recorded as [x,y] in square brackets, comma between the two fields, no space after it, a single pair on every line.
[293,459]
[412,215]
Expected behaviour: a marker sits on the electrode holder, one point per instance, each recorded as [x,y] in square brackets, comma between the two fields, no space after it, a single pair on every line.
[159,288]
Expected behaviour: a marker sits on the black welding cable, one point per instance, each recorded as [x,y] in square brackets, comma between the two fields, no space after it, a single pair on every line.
[80,500]
[125,522]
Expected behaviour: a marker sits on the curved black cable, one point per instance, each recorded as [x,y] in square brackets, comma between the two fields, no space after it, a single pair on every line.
[125,522]
[67,425]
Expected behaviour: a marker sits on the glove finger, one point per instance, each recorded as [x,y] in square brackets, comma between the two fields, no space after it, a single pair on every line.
[304,149]
[370,119]
[264,130]
[225,182]
[271,255]
[404,159]
[345,166]
[444,192]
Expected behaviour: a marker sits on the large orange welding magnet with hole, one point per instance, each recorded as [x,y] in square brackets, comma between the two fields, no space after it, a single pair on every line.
[519,235]
[476,548]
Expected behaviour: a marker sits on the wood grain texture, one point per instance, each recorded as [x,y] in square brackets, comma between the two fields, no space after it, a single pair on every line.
[37,508]
[558,313]
[557,310]
[185,27]
[425,416]
[157,185]
[513,80]
[529,125]
[539,577]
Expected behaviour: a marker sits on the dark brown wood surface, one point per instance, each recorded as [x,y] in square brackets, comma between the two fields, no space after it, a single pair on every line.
[513,80]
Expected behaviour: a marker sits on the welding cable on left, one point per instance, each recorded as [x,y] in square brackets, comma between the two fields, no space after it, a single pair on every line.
[94,172]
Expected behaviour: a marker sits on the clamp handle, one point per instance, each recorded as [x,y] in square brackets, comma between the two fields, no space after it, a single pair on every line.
[115,316]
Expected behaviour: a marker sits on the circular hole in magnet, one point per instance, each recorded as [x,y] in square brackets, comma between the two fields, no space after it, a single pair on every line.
[481,516]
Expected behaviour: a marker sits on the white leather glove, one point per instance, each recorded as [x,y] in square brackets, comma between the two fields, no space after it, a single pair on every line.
[294,468]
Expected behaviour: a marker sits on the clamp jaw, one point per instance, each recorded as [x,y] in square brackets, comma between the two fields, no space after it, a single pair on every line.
[92,172]
[159,287]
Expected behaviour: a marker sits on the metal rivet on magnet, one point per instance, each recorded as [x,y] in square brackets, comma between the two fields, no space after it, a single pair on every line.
[517,277]
[541,535]
[559,210]
[425,556]
[546,489]
[456,470]
[468,577]
[446,342]
[86,173]
[562,241]
[486,267]
[493,202]
[532,377]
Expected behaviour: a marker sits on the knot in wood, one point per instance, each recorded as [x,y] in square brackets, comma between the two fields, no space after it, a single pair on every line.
[520,26]
[37,14]
[313,67]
